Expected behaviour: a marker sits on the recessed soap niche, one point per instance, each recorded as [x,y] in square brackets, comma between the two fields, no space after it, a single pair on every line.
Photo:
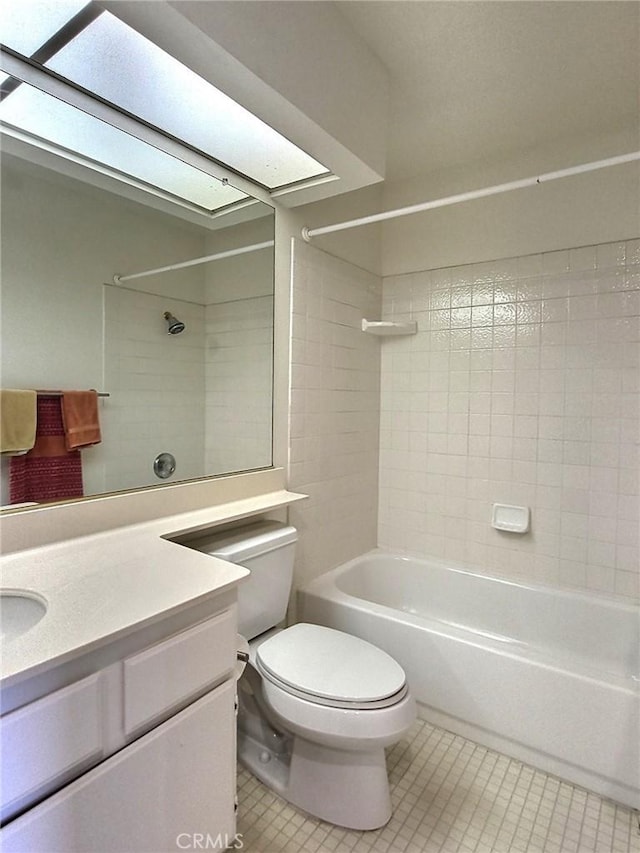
[511,519]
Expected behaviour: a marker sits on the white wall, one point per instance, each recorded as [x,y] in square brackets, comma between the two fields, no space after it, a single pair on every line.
[584,210]
[598,207]
[240,276]
[359,246]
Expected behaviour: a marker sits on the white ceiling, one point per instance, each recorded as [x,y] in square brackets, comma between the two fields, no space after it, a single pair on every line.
[478,81]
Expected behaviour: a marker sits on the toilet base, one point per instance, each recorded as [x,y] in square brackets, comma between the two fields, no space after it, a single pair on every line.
[345,788]
[349,789]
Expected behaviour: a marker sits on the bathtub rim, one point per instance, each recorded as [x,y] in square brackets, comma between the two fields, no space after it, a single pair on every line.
[629,682]
[578,593]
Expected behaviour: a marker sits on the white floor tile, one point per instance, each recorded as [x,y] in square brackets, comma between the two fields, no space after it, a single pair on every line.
[449,795]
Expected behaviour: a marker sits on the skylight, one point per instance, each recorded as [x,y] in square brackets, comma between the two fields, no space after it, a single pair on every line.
[120,65]
[95,50]
[46,118]
[25,27]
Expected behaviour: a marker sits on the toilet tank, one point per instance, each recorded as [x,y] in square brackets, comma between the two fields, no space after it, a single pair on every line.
[267,549]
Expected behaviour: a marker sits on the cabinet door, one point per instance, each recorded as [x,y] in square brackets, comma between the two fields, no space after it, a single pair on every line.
[172,786]
[49,742]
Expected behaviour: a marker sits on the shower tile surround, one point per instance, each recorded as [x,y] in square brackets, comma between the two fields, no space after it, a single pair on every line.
[522,387]
[239,342]
[187,393]
[157,387]
[334,410]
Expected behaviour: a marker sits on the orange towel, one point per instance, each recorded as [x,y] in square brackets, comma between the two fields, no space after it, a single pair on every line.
[80,418]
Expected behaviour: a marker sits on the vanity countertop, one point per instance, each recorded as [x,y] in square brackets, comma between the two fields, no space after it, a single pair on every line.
[101,587]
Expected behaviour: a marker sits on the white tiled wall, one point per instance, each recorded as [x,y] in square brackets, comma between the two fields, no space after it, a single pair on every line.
[522,386]
[239,341]
[156,383]
[334,410]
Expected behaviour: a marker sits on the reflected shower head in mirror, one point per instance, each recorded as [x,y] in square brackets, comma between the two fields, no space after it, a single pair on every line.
[175,326]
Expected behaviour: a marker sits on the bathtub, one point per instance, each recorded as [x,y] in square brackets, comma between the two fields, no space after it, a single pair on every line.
[547,676]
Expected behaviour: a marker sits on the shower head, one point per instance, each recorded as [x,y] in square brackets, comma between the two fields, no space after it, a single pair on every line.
[175,326]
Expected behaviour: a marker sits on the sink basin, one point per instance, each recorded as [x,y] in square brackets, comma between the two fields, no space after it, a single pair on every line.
[19,611]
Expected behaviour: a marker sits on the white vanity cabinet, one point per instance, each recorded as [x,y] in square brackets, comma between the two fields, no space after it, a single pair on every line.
[137,756]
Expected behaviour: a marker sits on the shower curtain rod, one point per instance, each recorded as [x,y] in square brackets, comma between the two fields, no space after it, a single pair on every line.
[204,260]
[308,233]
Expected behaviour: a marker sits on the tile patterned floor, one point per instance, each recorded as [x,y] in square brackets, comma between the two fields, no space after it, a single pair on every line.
[450,795]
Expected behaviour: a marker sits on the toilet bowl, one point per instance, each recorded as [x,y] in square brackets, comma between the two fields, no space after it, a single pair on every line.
[315,717]
[316,706]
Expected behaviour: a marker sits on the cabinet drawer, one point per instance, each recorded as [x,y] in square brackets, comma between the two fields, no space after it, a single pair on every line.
[46,743]
[160,679]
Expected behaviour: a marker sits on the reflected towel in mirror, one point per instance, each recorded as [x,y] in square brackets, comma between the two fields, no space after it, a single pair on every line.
[48,472]
[17,421]
[80,419]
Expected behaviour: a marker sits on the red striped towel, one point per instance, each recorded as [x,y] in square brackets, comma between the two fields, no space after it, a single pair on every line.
[48,472]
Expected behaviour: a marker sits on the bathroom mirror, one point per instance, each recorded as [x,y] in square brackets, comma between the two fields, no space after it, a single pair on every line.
[183,358]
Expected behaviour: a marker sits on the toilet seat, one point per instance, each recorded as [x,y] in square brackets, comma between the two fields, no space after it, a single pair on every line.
[328,667]
[336,703]
[339,727]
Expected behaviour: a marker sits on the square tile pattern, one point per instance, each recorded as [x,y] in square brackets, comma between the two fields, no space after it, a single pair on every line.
[334,410]
[450,795]
[521,386]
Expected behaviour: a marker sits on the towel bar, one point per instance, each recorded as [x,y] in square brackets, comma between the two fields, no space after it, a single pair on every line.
[44,393]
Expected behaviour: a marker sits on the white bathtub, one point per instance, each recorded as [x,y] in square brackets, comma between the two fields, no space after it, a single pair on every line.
[548,676]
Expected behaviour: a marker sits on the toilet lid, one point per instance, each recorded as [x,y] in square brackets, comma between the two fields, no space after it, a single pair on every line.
[331,665]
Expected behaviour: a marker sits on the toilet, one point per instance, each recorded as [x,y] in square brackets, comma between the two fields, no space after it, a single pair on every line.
[317,707]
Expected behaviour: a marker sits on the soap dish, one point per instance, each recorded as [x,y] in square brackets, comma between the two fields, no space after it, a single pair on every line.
[513,519]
